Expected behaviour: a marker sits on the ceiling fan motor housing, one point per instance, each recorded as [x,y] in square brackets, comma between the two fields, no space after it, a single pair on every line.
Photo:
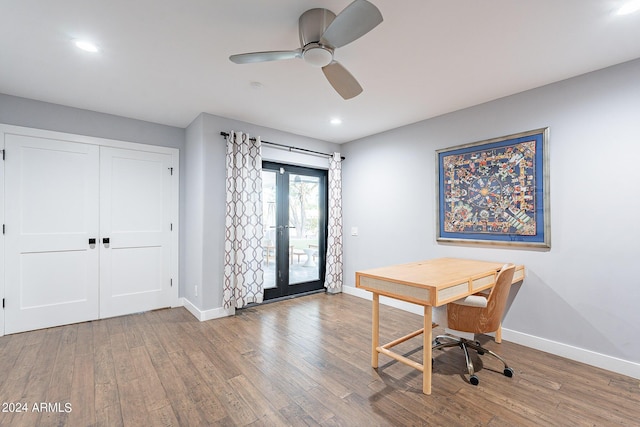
[312,25]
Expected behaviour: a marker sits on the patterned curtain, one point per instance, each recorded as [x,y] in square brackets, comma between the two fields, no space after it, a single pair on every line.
[243,255]
[333,279]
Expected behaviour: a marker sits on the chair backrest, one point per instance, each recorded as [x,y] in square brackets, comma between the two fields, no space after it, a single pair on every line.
[497,300]
[482,320]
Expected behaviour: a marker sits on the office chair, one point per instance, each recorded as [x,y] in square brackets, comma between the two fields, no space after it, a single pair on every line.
[478,314]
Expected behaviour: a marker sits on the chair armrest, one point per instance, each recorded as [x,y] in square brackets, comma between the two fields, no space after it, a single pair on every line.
[472,301]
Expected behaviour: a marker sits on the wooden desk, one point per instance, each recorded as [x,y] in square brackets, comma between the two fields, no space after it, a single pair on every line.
[430,283]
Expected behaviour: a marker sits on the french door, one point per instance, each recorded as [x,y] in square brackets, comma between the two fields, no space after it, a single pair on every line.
[295,224]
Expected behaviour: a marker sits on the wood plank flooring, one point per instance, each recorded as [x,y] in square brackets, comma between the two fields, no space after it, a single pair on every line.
[299,362]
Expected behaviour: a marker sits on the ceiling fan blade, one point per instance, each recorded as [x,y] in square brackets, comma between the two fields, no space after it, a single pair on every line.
[274,55]
[353,22]
[342,80]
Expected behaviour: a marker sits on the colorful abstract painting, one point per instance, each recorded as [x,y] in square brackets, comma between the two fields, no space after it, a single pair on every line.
[494,191]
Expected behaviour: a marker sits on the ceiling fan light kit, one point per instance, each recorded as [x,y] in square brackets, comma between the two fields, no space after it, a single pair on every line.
[321,32]
[317,55]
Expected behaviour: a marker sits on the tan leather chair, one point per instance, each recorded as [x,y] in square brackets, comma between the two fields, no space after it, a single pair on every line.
[478,314]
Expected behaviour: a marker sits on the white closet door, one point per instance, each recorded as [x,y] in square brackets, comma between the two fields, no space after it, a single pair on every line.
[51,189]
[135,207]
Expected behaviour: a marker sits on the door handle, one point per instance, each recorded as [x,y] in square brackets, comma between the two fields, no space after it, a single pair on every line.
[92,241]
[105,240]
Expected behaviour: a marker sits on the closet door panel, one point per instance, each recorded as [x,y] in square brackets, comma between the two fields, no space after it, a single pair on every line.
[135,201]
[51,190]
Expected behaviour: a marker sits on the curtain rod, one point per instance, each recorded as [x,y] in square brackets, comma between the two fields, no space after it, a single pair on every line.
[288,147]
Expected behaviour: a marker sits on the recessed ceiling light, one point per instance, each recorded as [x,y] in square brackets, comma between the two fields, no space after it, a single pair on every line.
[336,121]
[255,85]
[629,7]
[86,45]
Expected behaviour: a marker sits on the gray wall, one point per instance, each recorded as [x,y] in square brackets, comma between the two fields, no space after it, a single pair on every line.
[584,292]
[43,115]
[193,201]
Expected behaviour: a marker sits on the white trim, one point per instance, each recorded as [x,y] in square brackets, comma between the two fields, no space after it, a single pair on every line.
[85,139]
[214,313]
[589,357]
[2,239]
[175,225]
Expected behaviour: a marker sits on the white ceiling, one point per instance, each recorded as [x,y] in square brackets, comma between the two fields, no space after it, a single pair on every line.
[166,61]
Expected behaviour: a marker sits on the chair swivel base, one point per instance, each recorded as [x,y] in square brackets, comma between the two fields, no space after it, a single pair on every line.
[443,341]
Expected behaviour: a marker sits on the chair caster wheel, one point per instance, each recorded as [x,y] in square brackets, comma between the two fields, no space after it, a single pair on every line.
[480,352]
[474,380]
[508,372]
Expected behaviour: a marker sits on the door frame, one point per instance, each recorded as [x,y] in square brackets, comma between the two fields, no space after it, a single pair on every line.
[2,236]
[282,255]
[105,142]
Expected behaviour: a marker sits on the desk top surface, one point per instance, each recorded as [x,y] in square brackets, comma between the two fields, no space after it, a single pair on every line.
[434,273]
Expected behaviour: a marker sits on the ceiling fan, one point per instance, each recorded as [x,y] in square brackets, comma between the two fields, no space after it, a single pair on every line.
[321,33]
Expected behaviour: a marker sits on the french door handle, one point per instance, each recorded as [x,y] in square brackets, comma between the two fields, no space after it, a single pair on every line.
[105,240]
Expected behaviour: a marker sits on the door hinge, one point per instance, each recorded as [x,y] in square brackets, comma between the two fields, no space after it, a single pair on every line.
[3,154]
[171,282]
[171,227]
[2,228]
[171,170]
[2,302]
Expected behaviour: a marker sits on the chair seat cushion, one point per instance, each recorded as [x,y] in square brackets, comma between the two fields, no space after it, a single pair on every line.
[472,301]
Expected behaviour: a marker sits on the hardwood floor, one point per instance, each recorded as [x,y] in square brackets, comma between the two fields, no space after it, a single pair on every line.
[304,361]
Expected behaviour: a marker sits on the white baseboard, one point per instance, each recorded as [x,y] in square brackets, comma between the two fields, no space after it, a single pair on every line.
[214,313]
[610,363]
[589,357]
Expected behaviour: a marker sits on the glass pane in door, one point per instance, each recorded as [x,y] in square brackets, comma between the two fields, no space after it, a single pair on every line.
[304,232]
[294,216]
[269,242]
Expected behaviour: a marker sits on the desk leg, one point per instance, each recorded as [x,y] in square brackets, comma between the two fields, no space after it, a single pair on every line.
[375,330]
[427,337]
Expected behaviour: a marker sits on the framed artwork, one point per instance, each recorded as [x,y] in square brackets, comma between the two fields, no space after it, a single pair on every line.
[495,191]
